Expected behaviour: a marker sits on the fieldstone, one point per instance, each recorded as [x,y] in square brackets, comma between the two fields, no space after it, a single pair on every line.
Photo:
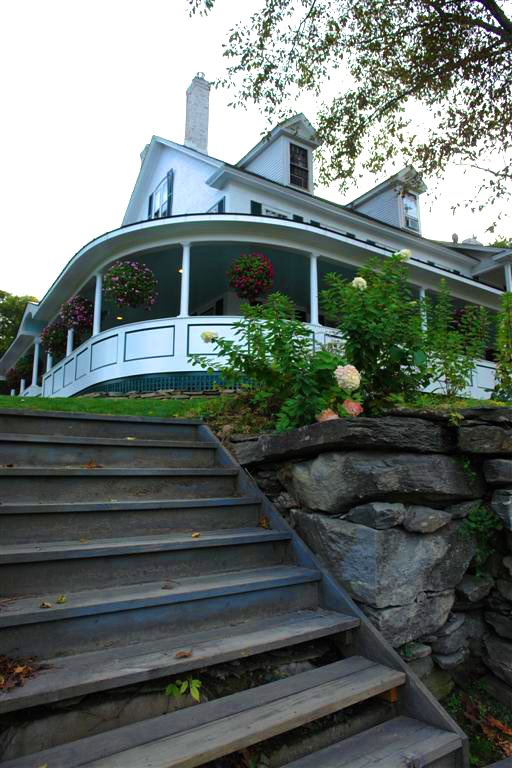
[500,623]
[498,471]
[476,629]
[498,689]
[386,567]
[498,657]
[425,520]
[501,414]
[440,683]
[422,667]
[335,482]
[475,588]
[403,623]
[507,562]
[484,438]
[452,637]
[505,589]
[463,508]
[502,505]
[413,651]
[377,514]
[451,660]
[362,433]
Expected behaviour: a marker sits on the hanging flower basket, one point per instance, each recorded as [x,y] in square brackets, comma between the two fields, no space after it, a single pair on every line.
[77,313]
[251,275]
[131,284]
[54,336]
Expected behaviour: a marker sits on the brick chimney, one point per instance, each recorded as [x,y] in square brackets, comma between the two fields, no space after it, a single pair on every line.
[196,124]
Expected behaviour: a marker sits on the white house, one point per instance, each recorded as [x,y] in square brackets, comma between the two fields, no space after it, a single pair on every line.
[190,215]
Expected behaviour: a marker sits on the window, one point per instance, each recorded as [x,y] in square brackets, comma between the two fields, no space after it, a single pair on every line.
[255,208]
[160,202]
[276,213]
[299,173]
[411,215]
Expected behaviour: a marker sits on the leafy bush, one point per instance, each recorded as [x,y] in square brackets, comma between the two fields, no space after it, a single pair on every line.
[454,342]
[251,275]
[274,354]
[22,370]
[131,284]
[503,388]
[481,524]
[381,325]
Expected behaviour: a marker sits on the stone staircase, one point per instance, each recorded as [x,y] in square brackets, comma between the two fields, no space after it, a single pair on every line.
[133,550]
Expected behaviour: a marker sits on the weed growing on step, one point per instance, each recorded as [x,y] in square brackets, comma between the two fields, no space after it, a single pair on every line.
[190,686]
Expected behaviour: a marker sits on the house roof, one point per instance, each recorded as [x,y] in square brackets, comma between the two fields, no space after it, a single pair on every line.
[408,178]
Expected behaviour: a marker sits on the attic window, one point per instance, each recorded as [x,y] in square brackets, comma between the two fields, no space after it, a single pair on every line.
[411,214]
[160,202]
[299,169]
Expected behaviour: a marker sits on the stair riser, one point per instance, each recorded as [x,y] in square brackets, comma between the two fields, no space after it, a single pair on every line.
[131,455]
[64,576]
[45,425]
[26,528]
[90,488]
[90,633]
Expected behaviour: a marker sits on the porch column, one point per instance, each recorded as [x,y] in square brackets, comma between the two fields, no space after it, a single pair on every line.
[313,288]
[185,280]
[508,276]
[69,341]
[423,295]
[35,365]
[49,361]
[96,323]
[22,386]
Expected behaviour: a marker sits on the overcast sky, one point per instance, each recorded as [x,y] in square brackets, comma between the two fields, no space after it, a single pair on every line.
[84,87]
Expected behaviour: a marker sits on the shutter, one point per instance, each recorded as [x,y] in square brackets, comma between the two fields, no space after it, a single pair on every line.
[255,208]
[297,218]
[150,206]
[221,206]
[315,223]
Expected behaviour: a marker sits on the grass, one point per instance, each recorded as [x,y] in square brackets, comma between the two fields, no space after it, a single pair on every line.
[446,404]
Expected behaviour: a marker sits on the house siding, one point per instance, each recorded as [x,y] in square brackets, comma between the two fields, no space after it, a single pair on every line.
[272,162]
[385,207]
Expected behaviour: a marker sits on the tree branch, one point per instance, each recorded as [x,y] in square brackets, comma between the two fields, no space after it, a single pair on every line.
[498,13]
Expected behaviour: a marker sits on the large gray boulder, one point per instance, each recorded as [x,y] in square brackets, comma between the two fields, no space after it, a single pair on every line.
[502,505]
[485,438]
[475,588]
[425,520]
[498,471]
[403,623]
[378,514]
[387,567]
[335,482]
[498,657]
[386,433]
[500,623]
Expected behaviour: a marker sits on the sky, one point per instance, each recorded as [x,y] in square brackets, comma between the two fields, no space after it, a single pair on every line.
[85,85]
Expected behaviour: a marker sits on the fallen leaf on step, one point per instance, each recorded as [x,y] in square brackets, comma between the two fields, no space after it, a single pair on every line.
[168,585]
[9,466]
[130,438]
[183,655]
[19,669]
[92,465]
[43,766]
[196,535]
[264,522]
[61,600]
[44,604]
[2,681]
[83,541]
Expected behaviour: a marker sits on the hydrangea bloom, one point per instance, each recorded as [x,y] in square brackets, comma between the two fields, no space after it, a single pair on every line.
[209,336]
[347,377]
[353,408]
[404,254]
[359,283]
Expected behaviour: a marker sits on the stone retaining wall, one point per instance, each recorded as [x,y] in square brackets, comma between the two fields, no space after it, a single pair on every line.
[383,502]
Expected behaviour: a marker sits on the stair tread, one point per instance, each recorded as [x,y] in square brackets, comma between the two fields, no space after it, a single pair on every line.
[394,743]
[113,506]
[196,735]
[118,471]
[65,550]
[89,672]
[99,417]
[133,442]
[27,610]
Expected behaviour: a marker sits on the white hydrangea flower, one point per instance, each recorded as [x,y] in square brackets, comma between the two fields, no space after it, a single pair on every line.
[404,254]
[347,377]
[359,283]
[209,336]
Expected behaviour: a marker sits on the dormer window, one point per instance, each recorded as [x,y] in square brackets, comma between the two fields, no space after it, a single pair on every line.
[160,202]
[411,211]
[299,167]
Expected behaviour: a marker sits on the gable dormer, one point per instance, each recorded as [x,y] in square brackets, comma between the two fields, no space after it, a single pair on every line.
[285,155]
[395,201]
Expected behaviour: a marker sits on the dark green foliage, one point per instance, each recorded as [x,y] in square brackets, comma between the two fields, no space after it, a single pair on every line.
[503,388]
[11,311]
[481,524]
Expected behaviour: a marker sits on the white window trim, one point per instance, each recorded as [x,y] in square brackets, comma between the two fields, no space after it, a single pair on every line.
[288,161]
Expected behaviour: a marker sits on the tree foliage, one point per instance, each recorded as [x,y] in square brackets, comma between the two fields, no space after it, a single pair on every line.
[11,311]
[375,62]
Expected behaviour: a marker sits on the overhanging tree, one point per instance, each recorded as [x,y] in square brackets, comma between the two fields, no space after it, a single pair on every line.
[380,59]
[11,311]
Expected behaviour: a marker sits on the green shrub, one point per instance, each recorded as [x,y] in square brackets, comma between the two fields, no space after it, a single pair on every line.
[503,388]
[481,524]
[275,356]
[453,344]
[381,325]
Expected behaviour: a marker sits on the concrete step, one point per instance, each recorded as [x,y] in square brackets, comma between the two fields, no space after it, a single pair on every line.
[100,618]
[25,522]
[402,741]
[97,425]
[44,484]
[71,676]
[68,566]
[71,451]
[208,731]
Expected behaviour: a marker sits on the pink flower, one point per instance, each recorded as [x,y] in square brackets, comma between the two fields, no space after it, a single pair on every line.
[353,408]
[327,415]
